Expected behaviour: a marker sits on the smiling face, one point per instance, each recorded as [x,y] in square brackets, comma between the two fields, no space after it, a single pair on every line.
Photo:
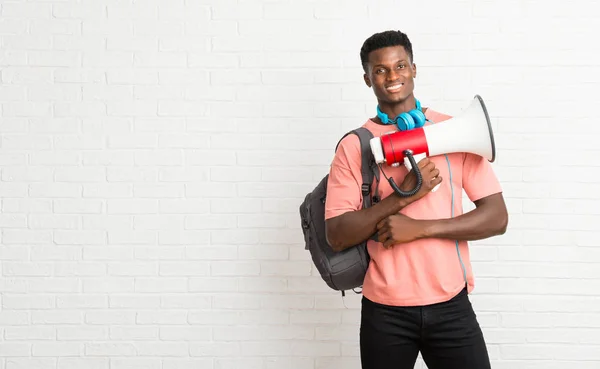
[390,73]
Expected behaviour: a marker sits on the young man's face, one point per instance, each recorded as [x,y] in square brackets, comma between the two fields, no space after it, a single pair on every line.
[390,73]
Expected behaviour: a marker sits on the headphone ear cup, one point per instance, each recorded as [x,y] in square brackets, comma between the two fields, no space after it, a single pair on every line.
[405,122]
[418,118]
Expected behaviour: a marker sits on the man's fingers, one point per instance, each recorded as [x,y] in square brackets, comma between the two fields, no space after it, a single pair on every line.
[383,236]
[435,173]
[388,243]
[423,163]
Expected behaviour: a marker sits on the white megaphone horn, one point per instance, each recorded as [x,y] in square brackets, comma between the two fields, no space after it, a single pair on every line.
[469,132]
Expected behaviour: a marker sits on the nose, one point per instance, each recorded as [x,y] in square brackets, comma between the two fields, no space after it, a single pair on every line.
[393,75]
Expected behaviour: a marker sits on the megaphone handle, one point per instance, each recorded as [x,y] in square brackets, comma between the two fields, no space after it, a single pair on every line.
[409,155]
[409,166]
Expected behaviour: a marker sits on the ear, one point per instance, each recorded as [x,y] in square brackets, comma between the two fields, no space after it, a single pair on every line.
[414,68]
[367,80]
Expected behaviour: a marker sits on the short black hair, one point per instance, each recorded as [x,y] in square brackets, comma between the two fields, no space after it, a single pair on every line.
[385,39]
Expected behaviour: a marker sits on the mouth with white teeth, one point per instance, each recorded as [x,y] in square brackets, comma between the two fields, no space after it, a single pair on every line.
[395,87]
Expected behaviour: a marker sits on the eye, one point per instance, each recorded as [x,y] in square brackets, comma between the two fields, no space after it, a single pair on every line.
[401,66]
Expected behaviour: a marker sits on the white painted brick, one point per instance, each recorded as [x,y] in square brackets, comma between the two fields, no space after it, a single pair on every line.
[217,284]
[154,159]
[33,363]
[26,269]
[135,301]
[101,222]
[229,206]
[135,76]
[237,237]
[16,252]
[158,28]
[68,237]
[24,333]
[17,236]
[250,363]
[236,301]
[110,349]
[26,10]
[96,253]
[89,363]
[109,317]
[132,174]
[205,93]
[183,237]
[186,333]
[263,252]
[58,317]
[82,302]
[13,221]
[73,269]
[163,318]
[55,253]
[210,157]
[132,269]
[187,301]
[238,11]
[214,349]
[157,191]
[164,284]
[82,333]
[133,333]
[263,284]
[25,302]
[108,285]
[213,60]
[227,268]
[131,11]
[168,252]
[134,363]
[187,363]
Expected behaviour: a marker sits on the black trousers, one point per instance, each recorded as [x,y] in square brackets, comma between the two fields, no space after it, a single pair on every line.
[447,335]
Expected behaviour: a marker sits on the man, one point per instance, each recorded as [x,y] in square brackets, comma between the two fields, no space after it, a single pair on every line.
[415,293]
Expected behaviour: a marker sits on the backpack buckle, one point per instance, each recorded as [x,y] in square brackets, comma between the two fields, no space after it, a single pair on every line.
[366,189]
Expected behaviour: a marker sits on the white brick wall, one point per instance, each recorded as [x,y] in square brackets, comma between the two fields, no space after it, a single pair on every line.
[154,154]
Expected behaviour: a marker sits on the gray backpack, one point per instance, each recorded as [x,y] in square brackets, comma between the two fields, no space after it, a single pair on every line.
[346,269]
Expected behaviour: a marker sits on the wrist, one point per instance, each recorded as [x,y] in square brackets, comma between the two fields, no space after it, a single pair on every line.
[429,228]
[400,202]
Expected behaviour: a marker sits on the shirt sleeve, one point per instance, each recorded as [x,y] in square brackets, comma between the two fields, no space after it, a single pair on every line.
[479,179]
[345,179]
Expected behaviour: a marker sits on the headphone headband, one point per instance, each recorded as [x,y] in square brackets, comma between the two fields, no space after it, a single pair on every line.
[405,121]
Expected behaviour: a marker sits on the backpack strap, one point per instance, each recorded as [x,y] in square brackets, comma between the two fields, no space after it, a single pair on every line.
[369,169]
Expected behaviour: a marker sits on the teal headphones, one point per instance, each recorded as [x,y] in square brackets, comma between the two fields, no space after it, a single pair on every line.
[405,121]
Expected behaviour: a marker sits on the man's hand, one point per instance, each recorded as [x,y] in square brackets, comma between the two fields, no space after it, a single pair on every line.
[398,228]
[430,175]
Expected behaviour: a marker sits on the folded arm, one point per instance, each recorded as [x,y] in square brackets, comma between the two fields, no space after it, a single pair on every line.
[488,219]
[353,227]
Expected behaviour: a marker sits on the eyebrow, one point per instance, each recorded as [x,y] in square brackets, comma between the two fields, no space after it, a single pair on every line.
[381,65]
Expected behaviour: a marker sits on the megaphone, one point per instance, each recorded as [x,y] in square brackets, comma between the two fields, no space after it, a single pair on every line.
[469,132]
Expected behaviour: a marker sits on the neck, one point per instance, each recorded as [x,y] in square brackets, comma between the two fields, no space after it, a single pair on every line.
[395,109]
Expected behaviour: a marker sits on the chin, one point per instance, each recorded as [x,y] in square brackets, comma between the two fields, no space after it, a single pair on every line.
[395,99]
